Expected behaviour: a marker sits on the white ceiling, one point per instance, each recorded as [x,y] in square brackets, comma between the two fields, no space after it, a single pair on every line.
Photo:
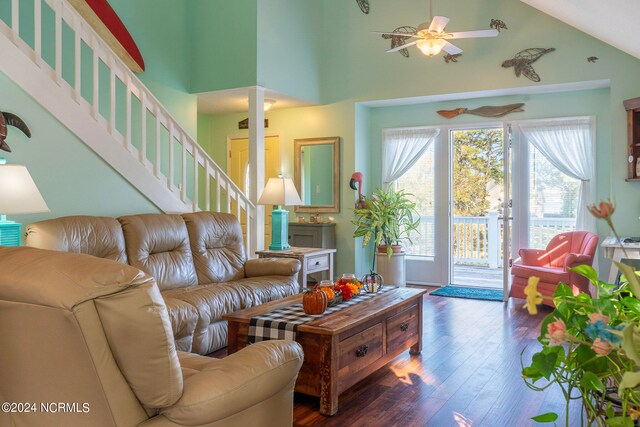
[237,101]
[616,22]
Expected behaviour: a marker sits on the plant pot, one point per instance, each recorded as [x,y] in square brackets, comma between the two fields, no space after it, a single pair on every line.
[391,269]
[396,249]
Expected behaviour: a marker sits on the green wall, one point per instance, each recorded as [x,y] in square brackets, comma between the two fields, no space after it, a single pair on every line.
[289,47]
[222,44]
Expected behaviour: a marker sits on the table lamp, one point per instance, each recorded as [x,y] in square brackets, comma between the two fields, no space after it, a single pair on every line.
[18,195]
[280,191]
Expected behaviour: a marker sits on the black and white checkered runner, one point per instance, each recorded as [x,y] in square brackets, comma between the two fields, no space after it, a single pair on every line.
[282,324]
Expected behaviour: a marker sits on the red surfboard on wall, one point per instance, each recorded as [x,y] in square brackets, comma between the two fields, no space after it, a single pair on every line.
[104,20]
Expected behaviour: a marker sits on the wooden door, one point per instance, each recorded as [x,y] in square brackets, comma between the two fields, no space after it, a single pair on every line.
[238,170]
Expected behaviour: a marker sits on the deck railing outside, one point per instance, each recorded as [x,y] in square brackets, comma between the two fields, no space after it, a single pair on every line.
[477,240]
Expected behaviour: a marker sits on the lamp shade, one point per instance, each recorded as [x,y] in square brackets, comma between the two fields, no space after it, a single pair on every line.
[280,191]
[18,192]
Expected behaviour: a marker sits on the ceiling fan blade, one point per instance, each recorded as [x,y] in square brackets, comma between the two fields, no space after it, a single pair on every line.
[451,48]
[473,34]
[397,48]
[438,23]
[394,34]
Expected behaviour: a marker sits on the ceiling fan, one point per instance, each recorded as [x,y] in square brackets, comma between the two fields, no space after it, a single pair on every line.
[431,38]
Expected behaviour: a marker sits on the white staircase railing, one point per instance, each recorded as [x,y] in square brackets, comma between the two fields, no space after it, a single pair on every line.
[92,92]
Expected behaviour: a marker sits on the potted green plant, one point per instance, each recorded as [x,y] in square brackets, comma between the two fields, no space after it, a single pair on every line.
[388,217]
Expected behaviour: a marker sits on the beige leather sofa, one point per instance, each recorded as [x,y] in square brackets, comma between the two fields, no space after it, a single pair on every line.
[89,342]
[197,259]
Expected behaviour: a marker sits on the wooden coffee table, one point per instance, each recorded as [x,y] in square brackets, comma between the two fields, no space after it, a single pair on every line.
[344,347]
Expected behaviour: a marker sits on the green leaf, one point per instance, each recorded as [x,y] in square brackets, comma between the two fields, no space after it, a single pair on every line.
[545,363]
[562,290]
[629,273]
[532,373]
[549,417]
[586,271]
[619,422]
[629,380]
[632,304]
[629,346]
[590,381]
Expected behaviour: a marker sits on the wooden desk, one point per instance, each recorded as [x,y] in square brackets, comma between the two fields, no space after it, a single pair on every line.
[313,260]
[613,250]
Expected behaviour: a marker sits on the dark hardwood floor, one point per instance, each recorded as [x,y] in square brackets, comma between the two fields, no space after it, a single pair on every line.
[468,374]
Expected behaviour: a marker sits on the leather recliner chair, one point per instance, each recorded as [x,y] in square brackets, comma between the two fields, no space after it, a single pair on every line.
[94,336]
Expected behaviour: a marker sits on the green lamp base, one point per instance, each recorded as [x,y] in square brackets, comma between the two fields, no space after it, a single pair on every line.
[279,230]
[9,232]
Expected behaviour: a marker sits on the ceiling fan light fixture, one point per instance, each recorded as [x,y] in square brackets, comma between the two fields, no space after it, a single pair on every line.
[431,47]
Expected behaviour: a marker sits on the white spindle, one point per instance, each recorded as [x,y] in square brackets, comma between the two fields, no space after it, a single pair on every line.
[228,207]
[58,42]
[218,187]
[183,178]
[207,185]
[196,166]
[96,82]
[77,59]
[37,28]
[142,155]
[247,243]
[15,19]
[172,161]
[112,98]
[127,118]
[156,165]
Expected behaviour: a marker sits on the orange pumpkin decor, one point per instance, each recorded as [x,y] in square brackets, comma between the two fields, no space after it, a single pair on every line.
[314,301]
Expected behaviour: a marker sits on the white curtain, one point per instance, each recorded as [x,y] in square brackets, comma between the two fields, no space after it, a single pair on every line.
[568,145]
[401,148]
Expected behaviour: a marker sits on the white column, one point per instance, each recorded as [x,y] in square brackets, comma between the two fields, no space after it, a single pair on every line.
[256,160]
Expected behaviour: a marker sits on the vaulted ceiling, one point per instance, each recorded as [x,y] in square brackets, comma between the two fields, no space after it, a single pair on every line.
[616,22]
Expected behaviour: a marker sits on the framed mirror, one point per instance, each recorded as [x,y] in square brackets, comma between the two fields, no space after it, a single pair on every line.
[317,173]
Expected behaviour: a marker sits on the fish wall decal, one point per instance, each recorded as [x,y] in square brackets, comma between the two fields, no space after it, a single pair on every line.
[485,111]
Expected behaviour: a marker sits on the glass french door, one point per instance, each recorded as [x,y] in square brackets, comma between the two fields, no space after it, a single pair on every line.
[479,207]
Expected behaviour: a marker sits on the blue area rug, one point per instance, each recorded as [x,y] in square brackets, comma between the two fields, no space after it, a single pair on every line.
[471,293]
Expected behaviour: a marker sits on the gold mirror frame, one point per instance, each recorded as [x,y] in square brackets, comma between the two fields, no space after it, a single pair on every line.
[297,146]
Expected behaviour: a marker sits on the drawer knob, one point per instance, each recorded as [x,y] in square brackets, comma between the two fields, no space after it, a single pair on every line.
[362,350]
[404,326]
[317,262]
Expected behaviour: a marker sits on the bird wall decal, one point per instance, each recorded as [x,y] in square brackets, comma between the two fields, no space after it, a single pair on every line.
[8,119]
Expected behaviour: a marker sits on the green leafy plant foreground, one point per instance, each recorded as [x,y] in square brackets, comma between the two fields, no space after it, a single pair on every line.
[591,350]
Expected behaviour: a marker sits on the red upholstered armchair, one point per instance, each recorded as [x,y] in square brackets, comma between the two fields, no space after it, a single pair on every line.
[550,265]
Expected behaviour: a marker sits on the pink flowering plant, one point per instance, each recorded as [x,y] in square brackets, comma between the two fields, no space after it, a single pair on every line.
[591,348]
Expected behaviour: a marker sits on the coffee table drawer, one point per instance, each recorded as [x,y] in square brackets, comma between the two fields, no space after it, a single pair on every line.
[402,329]
[318,263]
[359,351]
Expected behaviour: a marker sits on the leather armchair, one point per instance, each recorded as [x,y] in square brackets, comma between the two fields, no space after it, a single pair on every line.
[552,264]
[95,335]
